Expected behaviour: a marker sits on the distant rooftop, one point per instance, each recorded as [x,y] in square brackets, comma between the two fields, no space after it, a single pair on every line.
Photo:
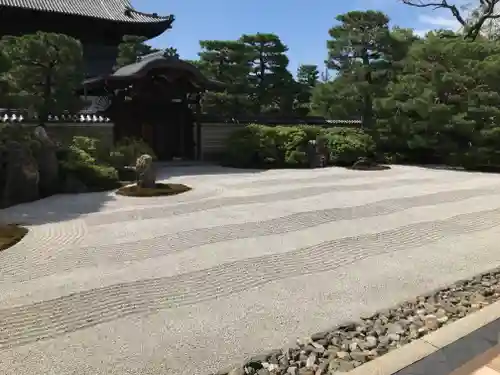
[113,10]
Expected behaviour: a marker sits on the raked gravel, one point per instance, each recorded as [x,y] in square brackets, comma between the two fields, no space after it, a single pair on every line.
[245,262]
[352,344]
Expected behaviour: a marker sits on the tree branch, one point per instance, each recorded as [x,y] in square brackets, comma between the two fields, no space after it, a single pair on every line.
[443,4]
[486,9]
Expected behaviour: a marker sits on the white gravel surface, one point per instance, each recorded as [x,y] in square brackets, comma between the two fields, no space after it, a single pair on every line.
[246,261]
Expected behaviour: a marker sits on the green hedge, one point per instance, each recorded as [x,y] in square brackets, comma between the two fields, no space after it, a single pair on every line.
[79,161]
[258,146]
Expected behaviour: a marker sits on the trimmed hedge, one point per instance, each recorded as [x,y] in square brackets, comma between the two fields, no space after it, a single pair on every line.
[79,161]
[260,146]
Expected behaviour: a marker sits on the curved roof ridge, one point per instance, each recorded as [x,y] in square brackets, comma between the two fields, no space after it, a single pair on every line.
[112,10]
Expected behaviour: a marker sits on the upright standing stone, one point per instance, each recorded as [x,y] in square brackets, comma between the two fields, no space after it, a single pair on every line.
[48,165]
[22,175]
[146,175]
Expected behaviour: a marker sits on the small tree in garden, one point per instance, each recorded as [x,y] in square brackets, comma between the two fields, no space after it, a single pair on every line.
[45,69]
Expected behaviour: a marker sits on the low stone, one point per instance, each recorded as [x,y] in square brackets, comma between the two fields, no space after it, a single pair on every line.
[319,335]
[311,360]
[442,320]
[394,337]
[283,362]
[431,322]
[256,365]
[383,341]
[322,368]
[395,328]
[370,342]
[304,341]
[340,365]
[343,355]
[359,356]
[440,313]
[423,331]
[317,348]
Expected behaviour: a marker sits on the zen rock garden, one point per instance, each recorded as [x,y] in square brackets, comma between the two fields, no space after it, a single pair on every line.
[321,200]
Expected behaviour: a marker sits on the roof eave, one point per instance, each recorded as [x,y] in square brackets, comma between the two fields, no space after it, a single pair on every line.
[152,29]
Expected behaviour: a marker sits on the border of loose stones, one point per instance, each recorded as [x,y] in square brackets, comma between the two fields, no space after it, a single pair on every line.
[396,359]
[414,351]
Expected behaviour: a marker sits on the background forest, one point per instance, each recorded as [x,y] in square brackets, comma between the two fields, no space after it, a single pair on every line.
[426,99]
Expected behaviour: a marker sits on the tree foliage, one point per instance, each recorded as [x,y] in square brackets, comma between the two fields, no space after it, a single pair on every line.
[132,48]
[42,71]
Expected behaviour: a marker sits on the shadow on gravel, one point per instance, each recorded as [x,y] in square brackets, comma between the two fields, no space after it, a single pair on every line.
[165,170]
[490,169]
[55,208]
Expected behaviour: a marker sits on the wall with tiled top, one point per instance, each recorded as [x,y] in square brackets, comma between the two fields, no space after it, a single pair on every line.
[64,132]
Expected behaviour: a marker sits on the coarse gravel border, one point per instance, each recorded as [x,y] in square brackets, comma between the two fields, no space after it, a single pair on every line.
[390,339]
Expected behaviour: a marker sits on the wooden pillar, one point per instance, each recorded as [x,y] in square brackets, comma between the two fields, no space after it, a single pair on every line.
[181,121]
[199,155]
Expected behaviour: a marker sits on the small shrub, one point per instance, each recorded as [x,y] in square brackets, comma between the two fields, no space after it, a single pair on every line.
[348,145]
[89,145]
[243,147]
[267,146]
[127,150]
[80,164]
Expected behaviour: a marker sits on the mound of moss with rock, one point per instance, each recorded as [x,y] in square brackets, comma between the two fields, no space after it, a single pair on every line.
[146,185]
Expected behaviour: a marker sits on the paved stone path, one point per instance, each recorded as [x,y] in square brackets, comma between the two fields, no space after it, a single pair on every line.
[246,261]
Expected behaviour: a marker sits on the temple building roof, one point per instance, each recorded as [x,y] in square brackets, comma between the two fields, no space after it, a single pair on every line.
[112,10]
[158,63]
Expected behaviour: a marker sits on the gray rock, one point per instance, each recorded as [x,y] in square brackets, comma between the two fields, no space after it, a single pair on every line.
[340,365]
[431,322]
[383,341]
[21,175]
[319,335]
[395,328]
[359,356]
[146,174]
[311,360]
[317,348]
[442,320]
[394,337]
[343,355]
[370,342]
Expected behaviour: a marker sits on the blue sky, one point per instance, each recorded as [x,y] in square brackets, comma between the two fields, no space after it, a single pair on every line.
[302,24]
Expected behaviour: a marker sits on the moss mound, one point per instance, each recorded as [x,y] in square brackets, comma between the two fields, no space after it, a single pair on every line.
[11,234]
[157,191]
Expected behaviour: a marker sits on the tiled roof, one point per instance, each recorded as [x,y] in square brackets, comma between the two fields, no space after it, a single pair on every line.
[113,10]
